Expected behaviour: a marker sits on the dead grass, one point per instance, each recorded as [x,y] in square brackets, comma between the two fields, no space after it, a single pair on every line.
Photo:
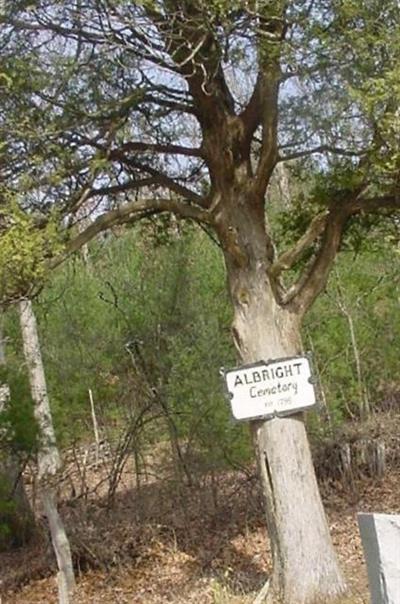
[178,545]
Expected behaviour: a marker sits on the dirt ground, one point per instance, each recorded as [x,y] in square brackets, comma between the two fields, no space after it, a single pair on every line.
[205,546]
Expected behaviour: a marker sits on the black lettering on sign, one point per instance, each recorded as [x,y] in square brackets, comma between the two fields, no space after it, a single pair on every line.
[238,381]
[288,371]
[297,365]
[265,375]
[256,376]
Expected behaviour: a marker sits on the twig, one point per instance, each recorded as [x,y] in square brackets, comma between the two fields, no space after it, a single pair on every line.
[262,594]
[95,426]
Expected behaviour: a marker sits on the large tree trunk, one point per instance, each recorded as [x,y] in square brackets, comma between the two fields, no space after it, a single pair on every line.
[48,455]
[305,567]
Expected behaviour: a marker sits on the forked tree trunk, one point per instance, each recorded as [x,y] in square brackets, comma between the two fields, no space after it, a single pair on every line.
[48,456]
[305,567]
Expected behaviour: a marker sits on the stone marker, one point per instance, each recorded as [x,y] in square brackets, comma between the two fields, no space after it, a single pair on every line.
[380,534]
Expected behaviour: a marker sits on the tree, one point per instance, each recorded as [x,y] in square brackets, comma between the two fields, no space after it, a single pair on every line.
[49,461]
[27,243]
[187,107]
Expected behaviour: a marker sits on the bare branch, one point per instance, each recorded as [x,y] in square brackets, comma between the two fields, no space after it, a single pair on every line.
[159,177]
[194,52]
[129,185]
[162,148]
[68,32]
[172,105]
[321,149]
[132,212]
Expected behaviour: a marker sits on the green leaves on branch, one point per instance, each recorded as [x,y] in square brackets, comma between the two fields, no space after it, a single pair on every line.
[380,98]
[26,246]
[370,37]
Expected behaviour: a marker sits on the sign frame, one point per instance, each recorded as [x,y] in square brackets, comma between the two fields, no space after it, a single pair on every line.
[313,380]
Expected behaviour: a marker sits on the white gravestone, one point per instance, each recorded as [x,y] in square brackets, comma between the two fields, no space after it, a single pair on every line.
[380,534]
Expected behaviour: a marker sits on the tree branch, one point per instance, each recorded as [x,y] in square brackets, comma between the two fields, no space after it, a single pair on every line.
[129,185]
[314,277]
[269,121]
[290,257]
[376,204]
[158,177]
[312,281]
[161,148]
[132,212]
[320,149]
[251,114]
[196,53]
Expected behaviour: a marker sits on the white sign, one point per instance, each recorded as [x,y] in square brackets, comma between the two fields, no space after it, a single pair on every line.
[274,388]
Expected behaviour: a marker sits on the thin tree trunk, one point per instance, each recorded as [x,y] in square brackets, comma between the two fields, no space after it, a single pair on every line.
[321,390]
[2,346]
[364,405]
[95,425]
[305,567]
[49,461]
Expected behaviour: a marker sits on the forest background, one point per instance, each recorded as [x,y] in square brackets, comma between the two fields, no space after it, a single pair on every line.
[147,342]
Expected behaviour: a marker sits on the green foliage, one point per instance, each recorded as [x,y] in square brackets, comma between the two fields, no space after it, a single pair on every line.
[368,35]
[18,433]
[150,336]
[76,110]
[16,521]
[25,249]
[343,91]
[7,513]
[149,339]
[18,427]
[362,290]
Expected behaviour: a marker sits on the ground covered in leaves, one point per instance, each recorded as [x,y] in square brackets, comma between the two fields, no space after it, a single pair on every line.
[168,543]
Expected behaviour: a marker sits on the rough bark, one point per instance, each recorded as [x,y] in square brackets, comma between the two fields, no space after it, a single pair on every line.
[305,567]
[48,456]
